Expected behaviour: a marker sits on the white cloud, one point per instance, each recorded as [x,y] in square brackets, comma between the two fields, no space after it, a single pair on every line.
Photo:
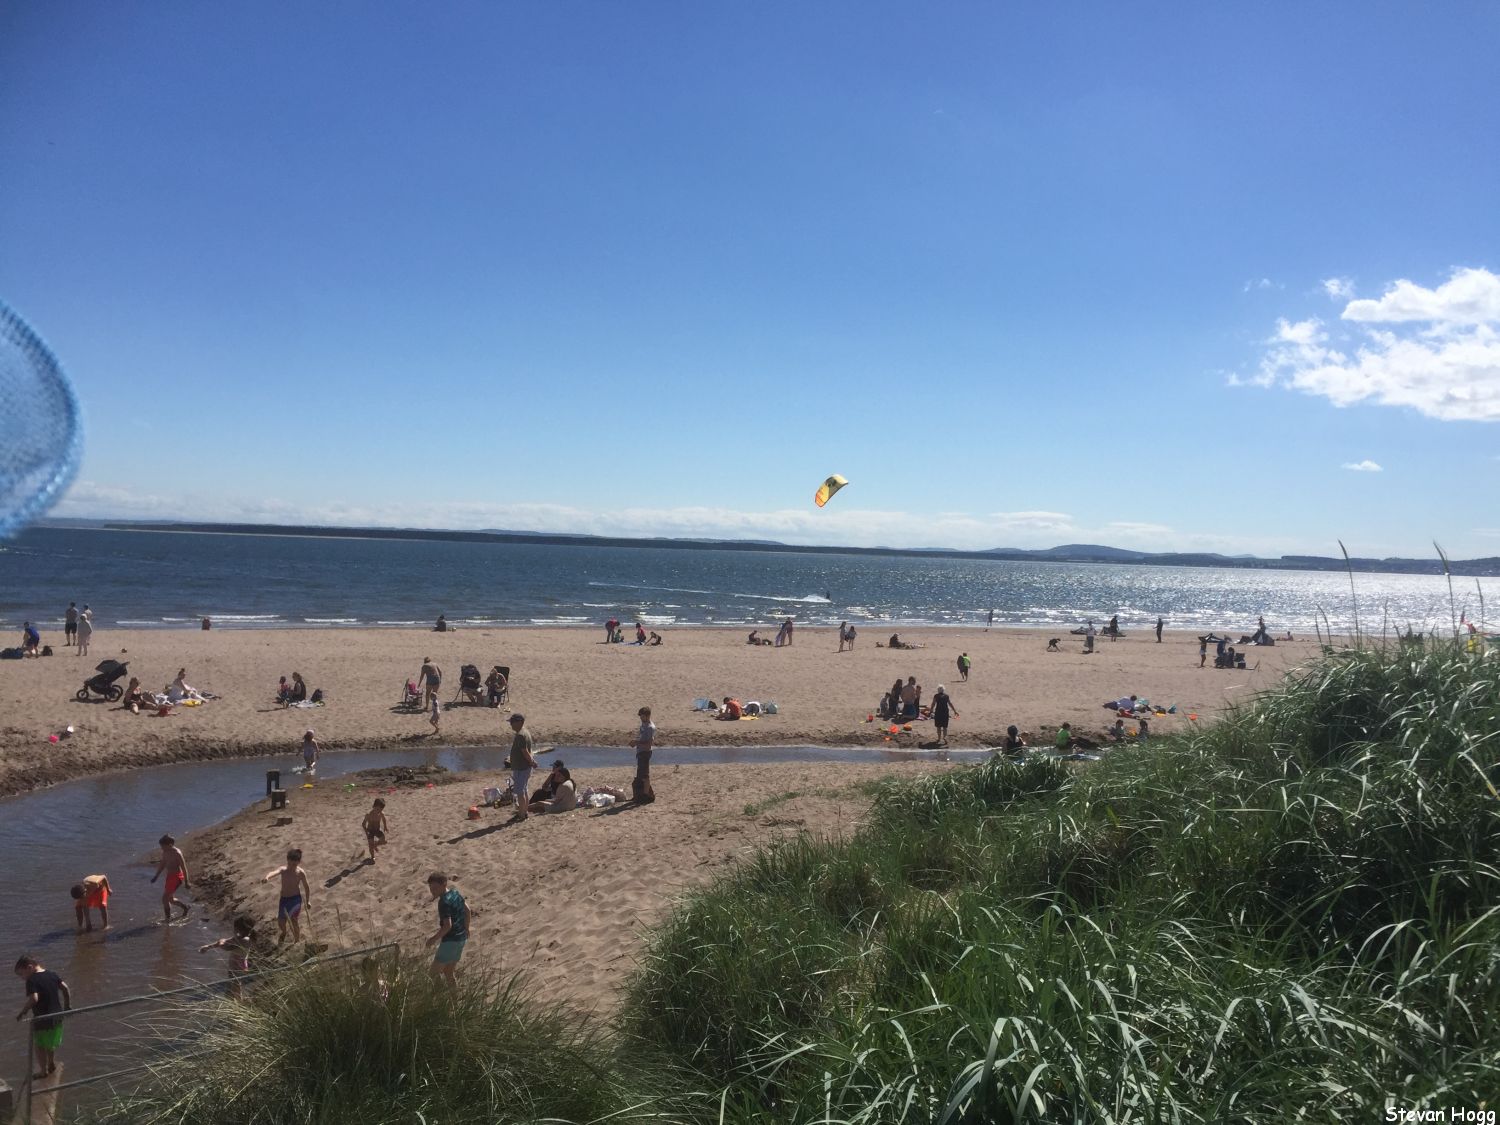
[1436,351]
[1260,283]
[1470,297]
[1366,466]
[1339,288]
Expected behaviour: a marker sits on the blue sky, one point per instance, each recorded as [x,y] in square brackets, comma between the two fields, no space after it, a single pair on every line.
[1024,276]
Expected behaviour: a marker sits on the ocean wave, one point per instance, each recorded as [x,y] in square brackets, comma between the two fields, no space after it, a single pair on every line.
[663,589]
[331,620]
[807,599]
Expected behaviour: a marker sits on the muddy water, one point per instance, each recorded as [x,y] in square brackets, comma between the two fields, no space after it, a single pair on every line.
[51,839]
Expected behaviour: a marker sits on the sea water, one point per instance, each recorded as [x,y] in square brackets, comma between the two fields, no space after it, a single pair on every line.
[140,579]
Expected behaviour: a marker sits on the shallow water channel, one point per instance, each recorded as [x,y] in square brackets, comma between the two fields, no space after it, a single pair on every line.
[52,838]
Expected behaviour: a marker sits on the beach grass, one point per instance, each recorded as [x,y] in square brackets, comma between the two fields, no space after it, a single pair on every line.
[1293,914]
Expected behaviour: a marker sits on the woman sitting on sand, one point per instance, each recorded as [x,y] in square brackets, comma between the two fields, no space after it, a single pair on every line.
[179,689]
[561,790]
[136,697]
[298,689]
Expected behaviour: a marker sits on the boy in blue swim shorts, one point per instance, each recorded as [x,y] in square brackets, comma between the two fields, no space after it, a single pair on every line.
[453,929]
[295,894]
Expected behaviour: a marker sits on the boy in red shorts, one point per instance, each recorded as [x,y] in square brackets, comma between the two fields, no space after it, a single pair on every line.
[174,865]
[91,894]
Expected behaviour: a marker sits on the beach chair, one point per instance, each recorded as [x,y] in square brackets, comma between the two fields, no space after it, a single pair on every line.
[505,691]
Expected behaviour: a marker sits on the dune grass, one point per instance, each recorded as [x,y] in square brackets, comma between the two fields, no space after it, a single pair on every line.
[1295,911]
[1291,915]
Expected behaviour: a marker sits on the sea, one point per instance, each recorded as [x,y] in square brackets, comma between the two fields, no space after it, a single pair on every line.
[172,579]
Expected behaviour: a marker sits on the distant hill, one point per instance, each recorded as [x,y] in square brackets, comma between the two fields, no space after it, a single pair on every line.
[1069,552]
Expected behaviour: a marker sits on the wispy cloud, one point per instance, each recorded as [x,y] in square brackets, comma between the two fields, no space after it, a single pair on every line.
[1435,350]
[1339,288]
[1365,466]
[1260,283]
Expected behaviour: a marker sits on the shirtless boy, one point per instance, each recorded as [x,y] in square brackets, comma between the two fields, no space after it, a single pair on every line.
[174,866]
[91,894]
[375,826]
[295,894]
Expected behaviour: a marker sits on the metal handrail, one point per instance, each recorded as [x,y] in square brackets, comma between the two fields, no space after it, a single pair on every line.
[202,989]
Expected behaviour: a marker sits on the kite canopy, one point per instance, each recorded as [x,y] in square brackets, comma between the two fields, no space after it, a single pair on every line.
[42,440]
[827,489]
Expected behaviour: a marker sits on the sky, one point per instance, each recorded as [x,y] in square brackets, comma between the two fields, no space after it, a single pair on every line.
[1167,277]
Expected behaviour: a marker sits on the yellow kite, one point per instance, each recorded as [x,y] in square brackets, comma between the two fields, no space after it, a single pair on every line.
[827,489]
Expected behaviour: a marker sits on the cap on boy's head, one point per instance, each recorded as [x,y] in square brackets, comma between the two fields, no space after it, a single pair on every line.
[518,718]
[77,890]
[166,841]
[308,733]
[557,765]
[294,856]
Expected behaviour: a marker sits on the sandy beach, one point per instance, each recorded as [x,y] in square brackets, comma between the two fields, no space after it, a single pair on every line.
[561,899]
[575,690]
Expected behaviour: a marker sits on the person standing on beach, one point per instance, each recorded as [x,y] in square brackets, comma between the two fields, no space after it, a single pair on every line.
[1159,624]
[843,634]
[645,739]
[296,892]
[522,762]
[173,864]
[942,709]
[1202,652]
[431,678]
[70,624]
[453,930]
[46,994]
[964,663]
[990,623]
[85,630]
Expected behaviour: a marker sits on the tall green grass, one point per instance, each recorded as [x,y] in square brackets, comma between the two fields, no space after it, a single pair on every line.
[1296,912]
[316,1047]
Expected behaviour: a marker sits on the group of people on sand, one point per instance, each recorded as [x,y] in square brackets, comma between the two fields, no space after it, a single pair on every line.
[614,634]
[294,690]
[138,698]
[78,629]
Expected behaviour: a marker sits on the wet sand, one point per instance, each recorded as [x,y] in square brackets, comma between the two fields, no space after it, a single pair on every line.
[575,690]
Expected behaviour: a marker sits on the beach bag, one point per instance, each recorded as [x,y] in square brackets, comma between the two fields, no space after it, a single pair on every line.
[317,696]
[770,709]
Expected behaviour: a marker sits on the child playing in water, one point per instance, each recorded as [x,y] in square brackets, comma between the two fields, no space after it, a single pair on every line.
[173,864]
[238,945]
[375,826]
[91,894]
[310,751]
[295,894]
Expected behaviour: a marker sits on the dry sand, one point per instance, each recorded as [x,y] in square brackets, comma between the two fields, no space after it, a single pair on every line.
[562,899]
[575,690]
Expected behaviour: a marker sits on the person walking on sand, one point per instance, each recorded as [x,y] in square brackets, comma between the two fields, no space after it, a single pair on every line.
[85,630]
[375,827]
[435,715]
[1202,652]
[963,666]
[522,762]
[645,739]
[942,709]
[452,932]
[70,624]
[91,894]
[173,864]
[296,892]
[46,994]
[1159,624]
[843,635]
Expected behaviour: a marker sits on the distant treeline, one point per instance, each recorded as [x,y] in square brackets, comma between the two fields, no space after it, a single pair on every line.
[1074,553]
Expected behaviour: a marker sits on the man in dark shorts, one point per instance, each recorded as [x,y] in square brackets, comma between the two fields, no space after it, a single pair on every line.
[70,624]
[46,993]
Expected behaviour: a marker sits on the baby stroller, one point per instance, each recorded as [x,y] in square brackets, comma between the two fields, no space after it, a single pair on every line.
[104,683]
[469,683]
[411,698]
